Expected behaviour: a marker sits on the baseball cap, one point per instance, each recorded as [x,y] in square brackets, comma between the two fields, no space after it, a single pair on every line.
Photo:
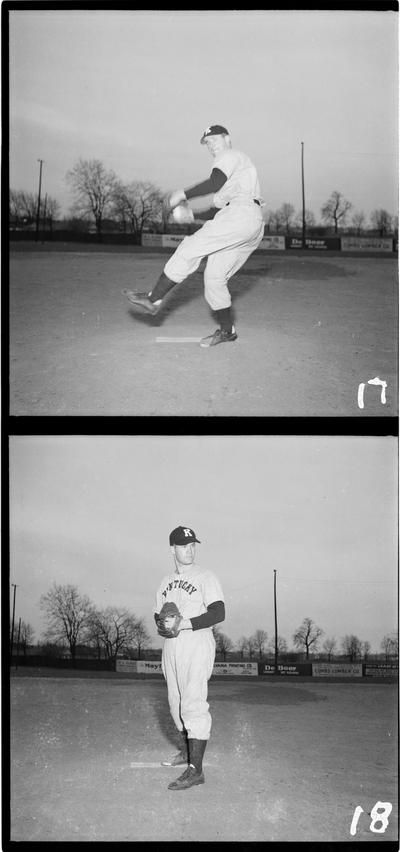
[182,535]
[214,130]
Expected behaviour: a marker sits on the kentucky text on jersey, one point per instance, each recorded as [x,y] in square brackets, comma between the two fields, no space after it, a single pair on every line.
[179,584]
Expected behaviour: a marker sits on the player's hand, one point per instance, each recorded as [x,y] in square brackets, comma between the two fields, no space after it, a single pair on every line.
[169,621]
[176,198]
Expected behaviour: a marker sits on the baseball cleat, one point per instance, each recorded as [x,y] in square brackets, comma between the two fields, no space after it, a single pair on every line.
[179,759]
[189,779]
[219,336]
[141,300]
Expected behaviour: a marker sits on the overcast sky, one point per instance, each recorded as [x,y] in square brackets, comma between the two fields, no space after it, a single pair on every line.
[97,511]
[136,89]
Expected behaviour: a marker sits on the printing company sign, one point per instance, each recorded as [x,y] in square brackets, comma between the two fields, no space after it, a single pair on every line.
[337,669]
[250,669]
[273,242]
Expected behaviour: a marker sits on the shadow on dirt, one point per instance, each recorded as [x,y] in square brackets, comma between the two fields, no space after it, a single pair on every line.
[189,290]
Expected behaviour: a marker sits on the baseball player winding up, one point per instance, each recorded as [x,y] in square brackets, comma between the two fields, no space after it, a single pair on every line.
[189,602]
[227,240]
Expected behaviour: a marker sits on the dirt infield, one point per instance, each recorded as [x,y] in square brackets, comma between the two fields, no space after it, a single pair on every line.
[311,329]
[287,761]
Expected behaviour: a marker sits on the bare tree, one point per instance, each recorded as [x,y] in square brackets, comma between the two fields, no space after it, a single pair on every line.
[282,646]
[68,613]
[16,207]
[307,635]
[351,646]
[309,219]
[242,645]
[287,212]
[223,643]
[26,634]
[390,646]
[141,636]
[93,186]
[365,649]
[329,647]
[268,220]
[276,220]
[138,204]
[22,205]
[51,212]
[112,629]
[335,210]
[381,221]
[250,647]
[259,640]
[358,221]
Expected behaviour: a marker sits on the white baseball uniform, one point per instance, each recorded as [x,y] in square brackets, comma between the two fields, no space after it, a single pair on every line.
[230,237]
[187,660]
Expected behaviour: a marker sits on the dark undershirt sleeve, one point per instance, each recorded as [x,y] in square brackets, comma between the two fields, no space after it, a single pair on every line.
[215,613]
[211,185]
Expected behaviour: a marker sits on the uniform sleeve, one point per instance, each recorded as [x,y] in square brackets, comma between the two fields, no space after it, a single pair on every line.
[211,185]
[212,590]
[227,162]
[214,615]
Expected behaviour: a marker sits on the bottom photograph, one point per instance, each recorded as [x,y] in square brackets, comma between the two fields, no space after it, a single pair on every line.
[203,638]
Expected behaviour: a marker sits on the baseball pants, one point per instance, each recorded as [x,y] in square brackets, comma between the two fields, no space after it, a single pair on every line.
[227,240]
[187,663]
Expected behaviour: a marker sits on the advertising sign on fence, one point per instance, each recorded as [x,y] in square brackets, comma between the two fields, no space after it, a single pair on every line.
[367,244]
[250,669]
[317,243]
[380,670]
[172,240]
[139,666]
[152,240]
[287,669]
[273,242]
[337,669]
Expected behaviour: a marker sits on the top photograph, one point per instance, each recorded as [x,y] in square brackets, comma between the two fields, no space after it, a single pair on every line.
[203,212]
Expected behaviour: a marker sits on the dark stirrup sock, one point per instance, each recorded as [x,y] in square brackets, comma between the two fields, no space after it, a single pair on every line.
[163,286]
[225,319]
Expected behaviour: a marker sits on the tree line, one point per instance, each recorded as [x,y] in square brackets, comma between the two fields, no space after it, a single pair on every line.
[100,196]
[307,639]
[72,620]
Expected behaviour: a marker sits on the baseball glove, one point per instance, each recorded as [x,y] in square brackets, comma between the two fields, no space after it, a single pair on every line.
[169,620]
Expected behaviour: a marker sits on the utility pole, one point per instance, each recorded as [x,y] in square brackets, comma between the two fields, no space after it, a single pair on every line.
[13,620]
[19,634]
[38,206]
[303,197]
[44,218]
[276,627]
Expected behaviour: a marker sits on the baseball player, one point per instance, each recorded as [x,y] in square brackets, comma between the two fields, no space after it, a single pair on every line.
[189,602]
[227,240]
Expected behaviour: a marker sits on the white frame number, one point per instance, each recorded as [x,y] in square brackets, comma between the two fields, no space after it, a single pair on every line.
[379,814]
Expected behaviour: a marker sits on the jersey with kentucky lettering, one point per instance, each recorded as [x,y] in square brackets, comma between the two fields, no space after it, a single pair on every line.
[193,590]
[242,181]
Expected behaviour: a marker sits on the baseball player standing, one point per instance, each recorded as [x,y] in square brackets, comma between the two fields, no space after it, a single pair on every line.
[227,240]
[195,597]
